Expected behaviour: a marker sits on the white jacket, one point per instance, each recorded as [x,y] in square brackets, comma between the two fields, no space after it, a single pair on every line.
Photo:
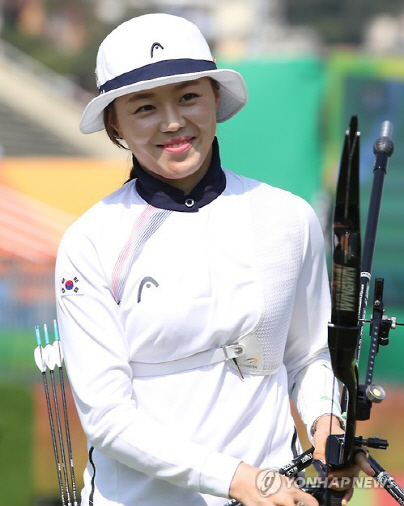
[137,284]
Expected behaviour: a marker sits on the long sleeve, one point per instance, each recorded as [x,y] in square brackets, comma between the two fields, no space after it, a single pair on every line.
[97,359]
[311,380]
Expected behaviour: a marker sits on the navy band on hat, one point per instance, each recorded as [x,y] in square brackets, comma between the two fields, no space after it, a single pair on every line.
[156,70]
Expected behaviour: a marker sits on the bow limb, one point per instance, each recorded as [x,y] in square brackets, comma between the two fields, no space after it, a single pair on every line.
[349,290]
[344,330]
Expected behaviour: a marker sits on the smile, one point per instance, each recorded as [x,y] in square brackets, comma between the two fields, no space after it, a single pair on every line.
[177,145]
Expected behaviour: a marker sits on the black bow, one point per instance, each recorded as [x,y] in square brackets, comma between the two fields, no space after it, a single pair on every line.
[351,274]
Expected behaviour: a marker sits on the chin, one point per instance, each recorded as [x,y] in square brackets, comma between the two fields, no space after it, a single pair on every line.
[181,170]
[179,174]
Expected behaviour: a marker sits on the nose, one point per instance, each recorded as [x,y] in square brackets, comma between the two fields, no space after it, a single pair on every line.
[172,118]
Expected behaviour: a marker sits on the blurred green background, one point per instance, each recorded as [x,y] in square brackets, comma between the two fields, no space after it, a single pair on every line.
[290,135]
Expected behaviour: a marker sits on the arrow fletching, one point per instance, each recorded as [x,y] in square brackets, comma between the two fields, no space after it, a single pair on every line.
[57,344]
[50,352]
[40,359]
[39,355]
[57,353]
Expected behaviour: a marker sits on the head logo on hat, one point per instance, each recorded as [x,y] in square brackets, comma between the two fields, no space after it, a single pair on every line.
[155,45]
[130,60]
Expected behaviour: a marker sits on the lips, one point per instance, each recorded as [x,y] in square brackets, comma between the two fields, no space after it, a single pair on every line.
[178,145]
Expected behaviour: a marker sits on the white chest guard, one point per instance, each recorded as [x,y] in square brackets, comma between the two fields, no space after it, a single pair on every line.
[278,252]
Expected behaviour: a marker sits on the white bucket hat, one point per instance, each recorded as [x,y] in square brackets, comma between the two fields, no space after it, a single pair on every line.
[155,50]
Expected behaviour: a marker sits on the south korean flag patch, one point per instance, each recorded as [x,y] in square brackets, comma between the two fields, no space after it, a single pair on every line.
[70,285]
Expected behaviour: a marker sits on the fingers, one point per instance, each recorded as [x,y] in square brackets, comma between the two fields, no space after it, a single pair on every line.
[305,499]
[319,454]
[341,482]
[255,487]
[347,497]
[345,478]
[362,462]
[288,494]
[323,429]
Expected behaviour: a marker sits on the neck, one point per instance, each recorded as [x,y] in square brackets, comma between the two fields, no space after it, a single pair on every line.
[202,190]
[188,183]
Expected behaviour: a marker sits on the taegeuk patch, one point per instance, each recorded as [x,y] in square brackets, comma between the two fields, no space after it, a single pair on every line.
[70,285]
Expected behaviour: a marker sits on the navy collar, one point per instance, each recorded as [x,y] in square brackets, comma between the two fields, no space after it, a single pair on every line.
[164,196]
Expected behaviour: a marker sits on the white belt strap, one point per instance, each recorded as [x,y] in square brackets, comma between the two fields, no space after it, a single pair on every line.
[247,352]
[203,358]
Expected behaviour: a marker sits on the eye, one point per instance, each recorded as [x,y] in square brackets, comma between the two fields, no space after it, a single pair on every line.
[144,108]
[188,96]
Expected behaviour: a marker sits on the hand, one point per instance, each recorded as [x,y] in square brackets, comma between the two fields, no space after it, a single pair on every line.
[342,479]
[256,487]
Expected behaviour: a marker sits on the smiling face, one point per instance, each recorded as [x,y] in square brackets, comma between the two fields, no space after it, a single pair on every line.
[170,129]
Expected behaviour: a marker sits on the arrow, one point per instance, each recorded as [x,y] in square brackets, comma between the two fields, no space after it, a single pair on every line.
[41,362]
[59,360]
[48,357]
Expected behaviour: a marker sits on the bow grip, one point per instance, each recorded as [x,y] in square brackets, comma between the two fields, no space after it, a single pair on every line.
[326,496]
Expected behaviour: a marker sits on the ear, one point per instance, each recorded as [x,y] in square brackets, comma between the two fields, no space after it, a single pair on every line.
[111,120]
[115,125]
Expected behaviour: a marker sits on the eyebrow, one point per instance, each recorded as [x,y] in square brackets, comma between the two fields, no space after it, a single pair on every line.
[141,96]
